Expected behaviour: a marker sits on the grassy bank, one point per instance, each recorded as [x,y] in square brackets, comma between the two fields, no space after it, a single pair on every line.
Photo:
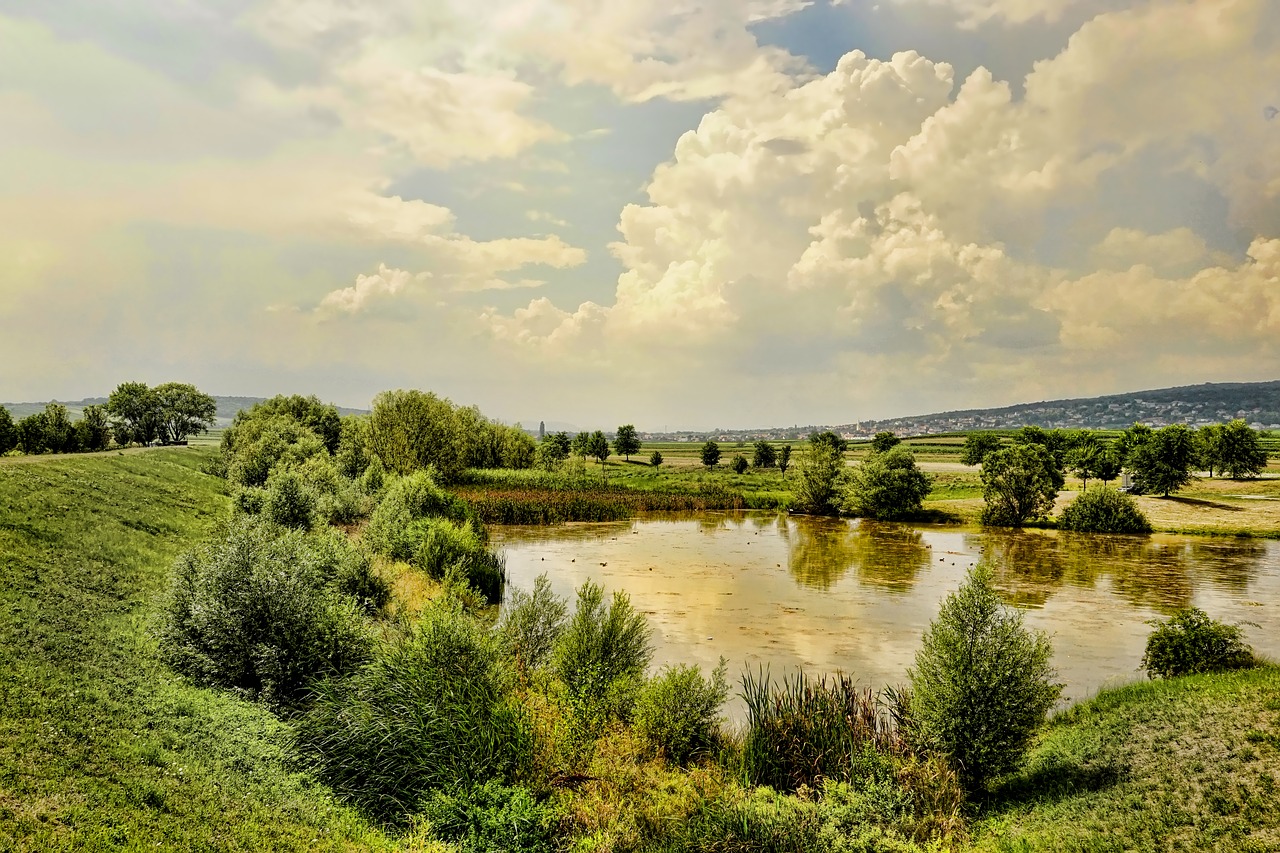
[101,747]
[1184,764]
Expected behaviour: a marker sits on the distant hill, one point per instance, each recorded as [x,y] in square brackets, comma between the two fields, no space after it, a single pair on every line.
[1256,402]
[227,407]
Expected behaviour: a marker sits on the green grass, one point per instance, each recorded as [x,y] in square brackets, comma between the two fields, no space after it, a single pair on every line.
[1184,764]
[101,747]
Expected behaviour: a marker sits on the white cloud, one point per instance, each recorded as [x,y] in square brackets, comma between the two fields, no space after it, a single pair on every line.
[368,289]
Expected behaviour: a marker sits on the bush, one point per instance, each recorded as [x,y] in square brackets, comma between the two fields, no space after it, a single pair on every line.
[677,711]
[409,499]
[491,818]
[443,545]
[289,502]
[1190,643]
[1104,510]
[431,712]
[807,730]
[982,683]
[740,464]
[258,611]
[655,459]
[603,652]
[821,470]
[531,624]
[888,485]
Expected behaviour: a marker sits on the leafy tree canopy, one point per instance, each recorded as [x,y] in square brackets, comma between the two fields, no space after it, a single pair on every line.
[1019,483]
[888,485]
[977,445]
[626,442]
[883,441]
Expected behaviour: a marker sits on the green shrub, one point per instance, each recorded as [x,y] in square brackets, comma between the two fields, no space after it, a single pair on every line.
[443,545]
[409,499]
[491,818]
[677,711]
[603,653]
[432,711]
[887,486]
[740,464]
[806,730]
[1104,510]
[531,624]
[258,611]
[982,683]
[1190,642]
[247,500]
[289,502]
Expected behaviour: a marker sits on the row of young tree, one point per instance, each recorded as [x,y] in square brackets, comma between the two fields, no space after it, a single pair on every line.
[134,414]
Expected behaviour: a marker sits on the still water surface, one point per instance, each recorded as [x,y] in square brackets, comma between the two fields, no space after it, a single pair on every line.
[855,596]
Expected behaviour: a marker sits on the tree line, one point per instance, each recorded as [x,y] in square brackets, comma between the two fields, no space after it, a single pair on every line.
[134,414]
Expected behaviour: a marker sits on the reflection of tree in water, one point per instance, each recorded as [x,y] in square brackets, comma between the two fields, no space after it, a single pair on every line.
[1028,566]
[821,551]
[1230,564]
[1147,572]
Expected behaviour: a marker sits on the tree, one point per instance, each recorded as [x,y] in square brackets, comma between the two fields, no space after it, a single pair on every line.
[763,455]
[740,464]
[977,445]
[784,459]
[655,459]
[1018,484]
[884,441]
[1240,455]
[59,432]
[1131,439]
[1209,447]
[8,433]
[581,445]
[982,683]
[888,485]
[1163,463]
[319,417]
[710,454]
[598,447]
[820,472]
[1107,466]
[137,417]
[554,449]
[626,442]
[830,438]
[1085,457]
[31,434]
[1055,444]
[93,429]
[181,411]
[413,430]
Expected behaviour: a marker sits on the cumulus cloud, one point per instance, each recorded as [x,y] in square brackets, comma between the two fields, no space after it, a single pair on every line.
[891,224]
[367,290]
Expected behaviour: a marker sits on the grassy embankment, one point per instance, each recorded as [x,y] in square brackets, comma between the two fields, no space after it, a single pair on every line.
[101,746]
[1186,764]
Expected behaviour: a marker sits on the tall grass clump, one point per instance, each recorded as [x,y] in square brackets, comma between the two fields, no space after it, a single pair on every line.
[805,730]
[492,818]
[432,711]
[982,683]
[1104,510]
[266,611]
[530,625]
[677,711]
[602,655]
[443,545]
[1190,642]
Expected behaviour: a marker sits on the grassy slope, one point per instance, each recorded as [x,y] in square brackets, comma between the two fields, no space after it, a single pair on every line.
[101,747]
[1187,764]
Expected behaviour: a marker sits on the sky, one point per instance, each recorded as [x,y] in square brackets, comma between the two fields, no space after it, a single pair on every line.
[682,215]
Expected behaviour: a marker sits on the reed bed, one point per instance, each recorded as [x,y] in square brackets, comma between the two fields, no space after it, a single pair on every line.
[549,505]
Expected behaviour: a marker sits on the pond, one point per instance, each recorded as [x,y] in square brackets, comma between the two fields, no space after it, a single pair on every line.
[782,592]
